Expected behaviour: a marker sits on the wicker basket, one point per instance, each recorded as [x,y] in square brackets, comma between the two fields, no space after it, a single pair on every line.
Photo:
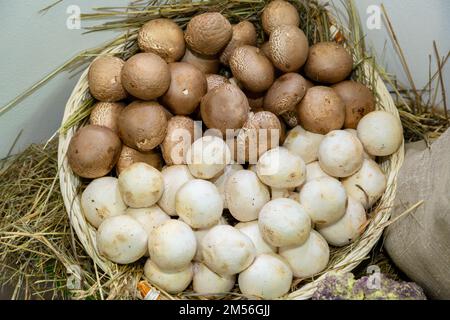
[343,259]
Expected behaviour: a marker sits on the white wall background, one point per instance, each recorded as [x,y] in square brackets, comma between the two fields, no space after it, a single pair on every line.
[32,44]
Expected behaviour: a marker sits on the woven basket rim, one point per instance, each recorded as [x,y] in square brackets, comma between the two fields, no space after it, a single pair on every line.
[70,183]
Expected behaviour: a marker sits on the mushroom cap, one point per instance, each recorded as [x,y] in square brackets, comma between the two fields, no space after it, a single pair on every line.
[215,80]
[121,239]
[208,282]
[358,100]
[340,154]
[284,222]
[171,282]
[252,68]
[187,87]
[225,107]
[303,143]
[146,76]
[321,110]
[93,151]
[174,177]
[143,125]
[128,156]
[328,62]
[285,93]
[245,195]
[309,258]
[104,78]
[278,13]
[380,132]
[208,33]
[180,135]
[106,114]
[162,37]
[269,277]
[101,199]
[244,33]
[251,229]
[205,64]
[288,47]
[221,180]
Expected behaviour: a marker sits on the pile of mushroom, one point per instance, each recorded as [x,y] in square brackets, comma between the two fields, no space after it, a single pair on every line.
[282,167]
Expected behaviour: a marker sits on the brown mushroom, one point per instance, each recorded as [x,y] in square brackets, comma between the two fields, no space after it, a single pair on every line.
[187,87]
[205,64]
[265,48]
[285,93]
[255,100]
[278,13]
[104,78]
[106,114]
[143,125]
[252,68]
[225,107]
[128,156]
[180,135]
[321,110]
[288,47]
[358,100]
[146,76]
[162,37]
[93,151]
[328,62]
[261,132]
[208,33]
[244,33]
[215,80]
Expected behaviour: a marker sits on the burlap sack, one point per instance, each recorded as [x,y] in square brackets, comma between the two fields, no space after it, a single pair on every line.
[419,243]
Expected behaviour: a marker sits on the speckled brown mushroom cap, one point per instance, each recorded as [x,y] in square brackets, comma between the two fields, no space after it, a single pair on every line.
[265,49]
[225,107]
[288,48]
[358,100]
[208,33]
[128,156]
[328,62]
[105,79]
[93,151]
[146,76]
[244,33]
[321,110]
[215,80]
[252,68]
[106,114]
[180,135]
[285,93]
[187,87]
[143,125]
[255,100]
[250,133]
[278,13]
[205,64]
[162,37]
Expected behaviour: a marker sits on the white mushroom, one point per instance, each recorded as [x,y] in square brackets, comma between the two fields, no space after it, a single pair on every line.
[367,185]
[355,134]
[303,143]
[141,185]
[172,282]
[207,157]
[199,203]
[314,171]
[121,239]
[309,258]
[324,200]
[101,199]
[221,180]
[172,245]
[226,250]
[200,234]
[276,193]
[268,277]
[206,281]
[251,229]
[245,195]
[284,222]
[380,132]
[174,177]
[281,168]
[348,228]
[340,154]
